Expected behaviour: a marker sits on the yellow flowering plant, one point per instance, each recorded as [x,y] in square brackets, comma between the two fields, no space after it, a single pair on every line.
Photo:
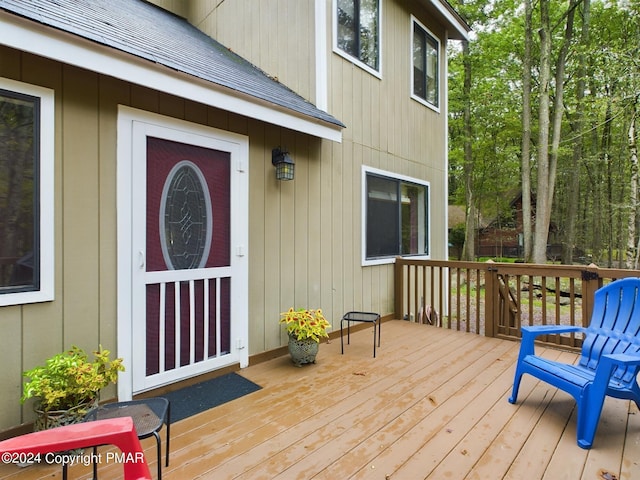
[303,323]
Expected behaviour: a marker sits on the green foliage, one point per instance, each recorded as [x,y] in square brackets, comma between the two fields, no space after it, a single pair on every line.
[304,323]
[599,103]
[456,236]
[69,379]
[495,106]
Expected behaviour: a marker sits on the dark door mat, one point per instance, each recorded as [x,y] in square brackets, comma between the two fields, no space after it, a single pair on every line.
[205,395]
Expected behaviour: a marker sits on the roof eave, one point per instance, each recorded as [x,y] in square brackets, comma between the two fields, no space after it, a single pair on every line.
[459,28]
[26,35]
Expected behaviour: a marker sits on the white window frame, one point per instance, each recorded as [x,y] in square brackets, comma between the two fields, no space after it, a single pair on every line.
[415,21]
[356,61]
[393,176]
[45,194]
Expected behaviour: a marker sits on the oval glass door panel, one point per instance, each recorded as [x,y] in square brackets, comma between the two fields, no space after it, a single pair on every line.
[186,224]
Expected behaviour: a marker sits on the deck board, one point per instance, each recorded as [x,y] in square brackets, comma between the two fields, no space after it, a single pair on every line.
[433,404]
[631,457]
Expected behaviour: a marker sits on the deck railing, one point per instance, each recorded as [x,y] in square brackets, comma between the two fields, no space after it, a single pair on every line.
[496,299]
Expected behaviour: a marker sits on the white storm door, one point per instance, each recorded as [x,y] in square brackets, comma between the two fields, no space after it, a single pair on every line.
[188,251]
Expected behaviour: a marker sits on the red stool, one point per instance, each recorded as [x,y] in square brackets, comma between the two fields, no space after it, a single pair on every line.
[117,431]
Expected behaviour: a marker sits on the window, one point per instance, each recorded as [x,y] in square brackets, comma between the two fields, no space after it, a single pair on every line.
[358,31]
[26,193]
[396,217]
[425,62]
[185,217]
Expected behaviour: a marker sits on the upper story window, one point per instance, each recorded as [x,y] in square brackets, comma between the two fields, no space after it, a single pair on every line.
[358,32]
[26,193]
[396,216]
[425,62]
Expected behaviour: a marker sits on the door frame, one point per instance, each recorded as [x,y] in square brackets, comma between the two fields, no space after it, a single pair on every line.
[132,122]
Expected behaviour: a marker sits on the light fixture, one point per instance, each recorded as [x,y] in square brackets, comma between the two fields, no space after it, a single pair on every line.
[284,164]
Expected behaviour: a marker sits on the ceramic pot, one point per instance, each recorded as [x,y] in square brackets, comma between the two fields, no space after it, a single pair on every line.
[303,351]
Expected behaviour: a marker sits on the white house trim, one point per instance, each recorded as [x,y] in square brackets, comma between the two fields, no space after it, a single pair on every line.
[28,36]
[46,194]
[322,87]
[131,123]
[366,262]
[442,52]
[334,15]
[445,11]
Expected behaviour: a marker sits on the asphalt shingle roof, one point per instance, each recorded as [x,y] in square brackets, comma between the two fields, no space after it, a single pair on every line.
[149,32]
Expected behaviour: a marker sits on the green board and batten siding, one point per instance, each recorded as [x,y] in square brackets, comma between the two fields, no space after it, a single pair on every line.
[304,236]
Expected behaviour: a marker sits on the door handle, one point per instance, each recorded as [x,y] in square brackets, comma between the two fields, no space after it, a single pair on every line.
[141,259]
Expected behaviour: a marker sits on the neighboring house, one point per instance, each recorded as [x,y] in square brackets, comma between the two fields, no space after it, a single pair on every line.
[139,207]
[503,236]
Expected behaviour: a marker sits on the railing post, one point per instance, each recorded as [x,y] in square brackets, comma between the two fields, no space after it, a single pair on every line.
[591,282]
[399,288]
[491,300]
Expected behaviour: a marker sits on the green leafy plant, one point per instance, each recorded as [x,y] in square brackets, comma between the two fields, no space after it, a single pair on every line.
[69,379]
[303,323]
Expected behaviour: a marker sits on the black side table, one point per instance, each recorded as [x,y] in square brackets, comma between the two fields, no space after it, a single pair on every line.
[368,317]
[148,416]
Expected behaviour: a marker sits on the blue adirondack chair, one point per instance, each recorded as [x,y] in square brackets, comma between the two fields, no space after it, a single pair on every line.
[609,362]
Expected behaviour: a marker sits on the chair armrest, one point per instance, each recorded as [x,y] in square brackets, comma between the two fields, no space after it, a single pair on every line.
[606,366]
[621,359]
[529,335]
[550,329]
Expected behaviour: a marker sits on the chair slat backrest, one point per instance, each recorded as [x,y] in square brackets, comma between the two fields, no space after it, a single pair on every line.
[615,326]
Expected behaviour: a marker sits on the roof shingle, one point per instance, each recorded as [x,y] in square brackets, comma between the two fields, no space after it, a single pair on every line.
[149,32]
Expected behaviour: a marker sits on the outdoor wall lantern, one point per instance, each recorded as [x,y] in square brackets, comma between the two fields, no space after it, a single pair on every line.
[284,164]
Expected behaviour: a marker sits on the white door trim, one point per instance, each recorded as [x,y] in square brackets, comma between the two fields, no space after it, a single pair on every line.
[132,122]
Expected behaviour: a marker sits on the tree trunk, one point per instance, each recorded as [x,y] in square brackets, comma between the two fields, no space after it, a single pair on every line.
[468,251]
[548,160]
[542,194]
[605,148]
[558,109]
[526,134]
[578,145]
[632,255]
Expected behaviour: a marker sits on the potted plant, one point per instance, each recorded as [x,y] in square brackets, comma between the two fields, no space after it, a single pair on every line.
[305,329]
[68,385]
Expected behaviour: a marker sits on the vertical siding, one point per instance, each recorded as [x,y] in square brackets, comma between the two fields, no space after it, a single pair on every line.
[83,312]
[10,317]
[111,92]
[32,330]
[80,201]
[179,7]
[276,35]
[261,260]
[11,372]
[309,230]
[396,133]
[304,236]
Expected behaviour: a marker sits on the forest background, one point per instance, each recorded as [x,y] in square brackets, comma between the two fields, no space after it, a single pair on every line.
[543,101]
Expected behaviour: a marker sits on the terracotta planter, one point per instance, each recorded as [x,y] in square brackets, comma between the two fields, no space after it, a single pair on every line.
[303,351]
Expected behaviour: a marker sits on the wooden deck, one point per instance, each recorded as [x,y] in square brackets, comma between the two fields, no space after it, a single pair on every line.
[433,404]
